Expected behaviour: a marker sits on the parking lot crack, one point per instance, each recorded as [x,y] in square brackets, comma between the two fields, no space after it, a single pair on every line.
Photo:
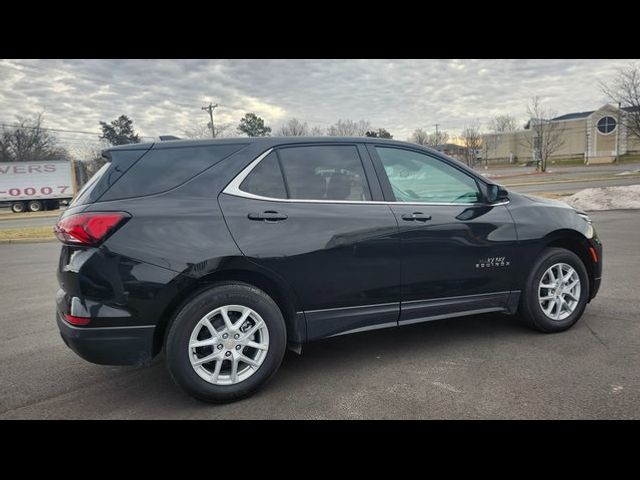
[596,335]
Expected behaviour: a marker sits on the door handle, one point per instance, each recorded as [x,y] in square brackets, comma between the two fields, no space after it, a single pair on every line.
[268,216]
[416,217]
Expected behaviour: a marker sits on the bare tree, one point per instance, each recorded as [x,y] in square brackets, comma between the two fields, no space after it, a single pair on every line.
[503,124]
[92,162]
[624,89]
[349,128]
[437,138]
[490,142]
[317,132]
[203,130]
[293,128]
[27,141]
[420,137]
[497,127]
[472,142]
[546,137]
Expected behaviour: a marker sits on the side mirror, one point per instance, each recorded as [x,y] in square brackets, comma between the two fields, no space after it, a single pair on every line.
[497,193]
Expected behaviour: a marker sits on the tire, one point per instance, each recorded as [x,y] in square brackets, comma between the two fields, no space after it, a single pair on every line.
[188,321]
[35,206]
[17,207]
[531,311]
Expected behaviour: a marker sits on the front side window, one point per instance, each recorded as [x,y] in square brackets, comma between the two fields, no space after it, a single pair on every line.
[331,172]
[417,177]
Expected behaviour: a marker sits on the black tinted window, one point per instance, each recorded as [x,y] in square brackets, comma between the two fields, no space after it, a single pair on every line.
[163,169]
[265,179]
[332,172]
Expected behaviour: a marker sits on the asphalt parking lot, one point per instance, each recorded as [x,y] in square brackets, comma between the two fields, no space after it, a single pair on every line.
[478,367]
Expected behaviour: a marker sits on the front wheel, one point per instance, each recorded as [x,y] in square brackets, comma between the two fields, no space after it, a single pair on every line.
[226,342]
[556,293]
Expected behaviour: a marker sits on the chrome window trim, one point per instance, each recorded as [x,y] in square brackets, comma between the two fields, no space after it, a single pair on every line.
[233,188]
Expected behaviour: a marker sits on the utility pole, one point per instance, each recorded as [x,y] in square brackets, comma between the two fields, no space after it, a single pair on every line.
[437,136]
[210,108]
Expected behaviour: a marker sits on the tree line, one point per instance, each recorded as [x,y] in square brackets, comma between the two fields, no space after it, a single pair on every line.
[28,140]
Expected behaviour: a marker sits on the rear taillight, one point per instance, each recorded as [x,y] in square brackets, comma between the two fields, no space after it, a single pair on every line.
[73,320]
[88,228]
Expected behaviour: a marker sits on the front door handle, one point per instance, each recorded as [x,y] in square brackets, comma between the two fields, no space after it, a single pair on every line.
[416,217]
[268,216]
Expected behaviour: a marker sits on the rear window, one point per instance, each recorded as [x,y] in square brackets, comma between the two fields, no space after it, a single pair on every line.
[163,169]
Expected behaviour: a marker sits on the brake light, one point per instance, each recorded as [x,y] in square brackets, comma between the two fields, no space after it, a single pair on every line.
[88,228]
[73,320]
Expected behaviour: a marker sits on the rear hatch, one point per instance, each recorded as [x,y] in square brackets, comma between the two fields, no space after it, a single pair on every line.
[117,162]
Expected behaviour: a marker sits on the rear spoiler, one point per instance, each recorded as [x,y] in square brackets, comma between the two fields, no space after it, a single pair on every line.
[164,138]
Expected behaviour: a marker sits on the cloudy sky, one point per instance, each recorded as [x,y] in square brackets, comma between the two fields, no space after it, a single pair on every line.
[164,96]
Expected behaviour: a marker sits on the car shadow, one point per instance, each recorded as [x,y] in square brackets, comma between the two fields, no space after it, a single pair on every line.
[330,357]
[440,334]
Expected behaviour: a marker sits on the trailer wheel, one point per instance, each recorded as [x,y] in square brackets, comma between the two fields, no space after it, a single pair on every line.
[35,206]
[17,207]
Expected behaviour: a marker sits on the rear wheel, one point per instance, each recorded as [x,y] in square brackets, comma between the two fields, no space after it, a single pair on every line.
[17,207]
[556,293]
[226,342]
[35,206]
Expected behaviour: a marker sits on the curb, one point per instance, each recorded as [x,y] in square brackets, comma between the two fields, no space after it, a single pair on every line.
[585,180]
[27,240]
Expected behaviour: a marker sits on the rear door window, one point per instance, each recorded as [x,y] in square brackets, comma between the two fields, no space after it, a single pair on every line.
[324,172]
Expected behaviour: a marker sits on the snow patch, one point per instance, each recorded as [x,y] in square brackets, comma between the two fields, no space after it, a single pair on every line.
[628,172]
[605,198]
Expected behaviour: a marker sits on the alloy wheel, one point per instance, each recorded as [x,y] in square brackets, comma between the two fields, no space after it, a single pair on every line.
[559,291]
[228,345]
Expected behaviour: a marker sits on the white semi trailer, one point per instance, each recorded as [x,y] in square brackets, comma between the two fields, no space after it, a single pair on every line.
[36,186]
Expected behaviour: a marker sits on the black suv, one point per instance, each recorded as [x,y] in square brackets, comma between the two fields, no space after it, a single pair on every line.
[226,252]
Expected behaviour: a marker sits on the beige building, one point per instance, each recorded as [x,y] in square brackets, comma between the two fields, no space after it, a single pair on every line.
[594,137]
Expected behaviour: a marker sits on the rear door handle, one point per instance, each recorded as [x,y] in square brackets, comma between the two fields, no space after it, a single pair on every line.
[416,217]
[268,216]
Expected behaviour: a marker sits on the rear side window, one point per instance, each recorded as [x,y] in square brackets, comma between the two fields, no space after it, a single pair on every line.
[266,179]
[163,169]
[84,193]
[331,172]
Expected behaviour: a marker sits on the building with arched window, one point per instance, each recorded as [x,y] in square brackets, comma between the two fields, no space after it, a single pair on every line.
[596,136]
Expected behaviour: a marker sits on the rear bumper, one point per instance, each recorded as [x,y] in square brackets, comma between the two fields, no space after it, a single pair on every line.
[109,345]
